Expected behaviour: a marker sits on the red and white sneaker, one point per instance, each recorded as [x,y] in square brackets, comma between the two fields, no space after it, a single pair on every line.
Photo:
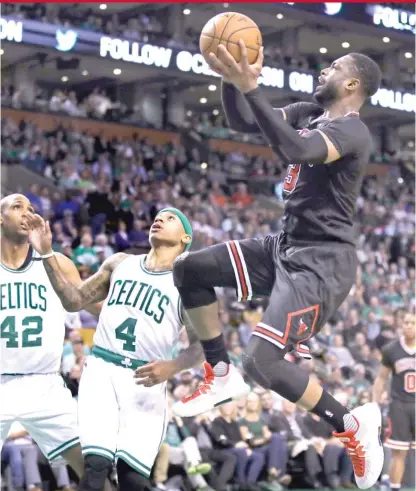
[213,392]
[364,445]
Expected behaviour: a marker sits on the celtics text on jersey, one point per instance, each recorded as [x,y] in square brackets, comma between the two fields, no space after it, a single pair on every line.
[32,320]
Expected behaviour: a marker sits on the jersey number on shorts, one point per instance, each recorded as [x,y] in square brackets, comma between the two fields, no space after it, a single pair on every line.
[8,331]
[292,177]
[410,382]
[125,332]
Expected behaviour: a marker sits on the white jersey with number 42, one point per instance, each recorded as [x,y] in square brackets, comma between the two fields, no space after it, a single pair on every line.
[32,321]
[141,317]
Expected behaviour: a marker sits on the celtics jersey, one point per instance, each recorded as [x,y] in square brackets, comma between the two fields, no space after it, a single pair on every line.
[141,317]
[32,320]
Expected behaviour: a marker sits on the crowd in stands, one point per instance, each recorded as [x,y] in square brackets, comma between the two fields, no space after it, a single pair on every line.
[106,195]
[148,27]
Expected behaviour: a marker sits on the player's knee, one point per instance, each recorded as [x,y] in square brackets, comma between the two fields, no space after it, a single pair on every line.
[184,268]
[129,479]
[264,363]
[258,364]
[96,470]
[188,268]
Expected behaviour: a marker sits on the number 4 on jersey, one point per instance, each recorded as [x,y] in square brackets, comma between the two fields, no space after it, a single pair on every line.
[125,332]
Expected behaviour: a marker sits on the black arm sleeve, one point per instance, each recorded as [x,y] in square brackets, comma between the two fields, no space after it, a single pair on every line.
[309,148]
[240,116]
[349,135]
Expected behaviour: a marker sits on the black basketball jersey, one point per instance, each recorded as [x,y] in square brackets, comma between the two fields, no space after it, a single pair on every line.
[320,199]
[402,362]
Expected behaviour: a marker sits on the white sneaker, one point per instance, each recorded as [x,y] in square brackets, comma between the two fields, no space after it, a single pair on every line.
[213,392]
[364,445]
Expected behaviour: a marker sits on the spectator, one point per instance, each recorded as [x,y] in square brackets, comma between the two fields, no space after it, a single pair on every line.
[85,255]
[227,436]
[273,447]
[21,454]
[241,196]
[342,353]
[183,450]
[289,423]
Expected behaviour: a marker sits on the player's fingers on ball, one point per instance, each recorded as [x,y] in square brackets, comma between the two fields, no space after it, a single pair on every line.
[225,57]
[217,65]
[260,56]
[243,50]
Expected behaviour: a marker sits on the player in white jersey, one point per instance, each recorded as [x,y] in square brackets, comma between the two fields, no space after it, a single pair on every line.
[122,396]
[32,333]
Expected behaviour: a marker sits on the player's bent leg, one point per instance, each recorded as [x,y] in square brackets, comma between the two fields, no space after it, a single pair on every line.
[96,470]
[359,430]
[129,479]
[195,276]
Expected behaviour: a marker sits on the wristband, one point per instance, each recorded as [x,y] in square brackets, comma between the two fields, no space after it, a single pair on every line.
[47,256]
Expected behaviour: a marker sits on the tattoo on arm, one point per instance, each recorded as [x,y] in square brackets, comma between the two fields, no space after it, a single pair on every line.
[95,289]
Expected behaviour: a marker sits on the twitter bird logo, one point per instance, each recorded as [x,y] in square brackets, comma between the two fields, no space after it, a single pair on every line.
[65,41]
[332,8]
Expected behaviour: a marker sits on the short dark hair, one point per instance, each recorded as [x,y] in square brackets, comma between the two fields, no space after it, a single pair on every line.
[368,72]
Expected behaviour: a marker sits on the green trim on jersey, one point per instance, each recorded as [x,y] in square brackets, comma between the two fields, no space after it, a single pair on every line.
[63,448]
[153,273]
[119,360]
[133,462]
[18,271]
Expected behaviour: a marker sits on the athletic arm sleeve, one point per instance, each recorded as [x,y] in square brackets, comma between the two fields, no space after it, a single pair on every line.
[240,116]
[310,147]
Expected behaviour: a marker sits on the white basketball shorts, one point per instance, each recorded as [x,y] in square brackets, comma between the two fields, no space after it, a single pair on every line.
[119,419]
[43,405]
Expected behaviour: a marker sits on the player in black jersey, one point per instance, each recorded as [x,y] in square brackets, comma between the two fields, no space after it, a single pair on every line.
[399,361]
[308,270]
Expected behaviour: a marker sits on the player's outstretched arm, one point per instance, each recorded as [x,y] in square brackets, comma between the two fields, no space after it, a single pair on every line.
[315,147]
[240,117]
[74,297]
[72,274]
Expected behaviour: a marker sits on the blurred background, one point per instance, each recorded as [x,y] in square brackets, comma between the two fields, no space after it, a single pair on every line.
[110,114]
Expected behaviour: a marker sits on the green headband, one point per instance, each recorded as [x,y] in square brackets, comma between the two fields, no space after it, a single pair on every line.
[184,220]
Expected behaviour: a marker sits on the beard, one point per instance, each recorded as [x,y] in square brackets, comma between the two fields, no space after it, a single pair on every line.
[326,95]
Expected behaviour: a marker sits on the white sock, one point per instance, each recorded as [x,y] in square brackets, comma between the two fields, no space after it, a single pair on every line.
[349,423]
[220,369]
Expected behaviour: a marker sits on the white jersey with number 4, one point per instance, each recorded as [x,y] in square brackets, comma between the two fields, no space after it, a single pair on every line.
[32,320]
[141,317]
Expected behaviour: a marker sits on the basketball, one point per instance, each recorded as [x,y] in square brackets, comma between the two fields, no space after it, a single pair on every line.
[227,29]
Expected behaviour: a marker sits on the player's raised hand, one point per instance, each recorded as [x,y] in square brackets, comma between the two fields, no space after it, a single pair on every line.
[241,74]
[154,373]
[40,235]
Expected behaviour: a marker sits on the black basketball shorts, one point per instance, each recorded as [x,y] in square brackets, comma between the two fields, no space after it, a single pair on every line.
[401,428]
[305,282]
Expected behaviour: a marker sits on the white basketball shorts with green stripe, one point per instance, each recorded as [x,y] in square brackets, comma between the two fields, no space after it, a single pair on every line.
[43,405]
[119,419]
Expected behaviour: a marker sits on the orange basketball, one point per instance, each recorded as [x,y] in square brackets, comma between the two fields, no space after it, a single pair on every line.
[227,29]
